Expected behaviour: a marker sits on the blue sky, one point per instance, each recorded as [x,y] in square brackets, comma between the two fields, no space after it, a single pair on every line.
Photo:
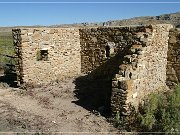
[26,14]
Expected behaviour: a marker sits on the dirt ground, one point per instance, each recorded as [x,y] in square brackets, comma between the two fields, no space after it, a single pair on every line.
[50,109]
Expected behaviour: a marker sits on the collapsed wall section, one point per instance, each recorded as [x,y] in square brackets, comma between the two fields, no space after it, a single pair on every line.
[47,54]
[103,48]
[143,70]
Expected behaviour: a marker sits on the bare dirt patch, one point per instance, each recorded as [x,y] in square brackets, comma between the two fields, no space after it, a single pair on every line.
[49,108]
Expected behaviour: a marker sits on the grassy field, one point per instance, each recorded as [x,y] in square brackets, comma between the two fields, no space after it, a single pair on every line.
[6,40]
[6,48]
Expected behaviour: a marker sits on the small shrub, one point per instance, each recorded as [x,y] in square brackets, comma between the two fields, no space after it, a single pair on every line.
[149,110]
[161,112]
[171,112]
[119,121]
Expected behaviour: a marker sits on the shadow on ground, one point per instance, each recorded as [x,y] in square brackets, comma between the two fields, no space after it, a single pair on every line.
[93,94]
[94,89]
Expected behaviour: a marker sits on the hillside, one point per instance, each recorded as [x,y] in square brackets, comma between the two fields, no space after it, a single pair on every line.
[173,18]
[166,18]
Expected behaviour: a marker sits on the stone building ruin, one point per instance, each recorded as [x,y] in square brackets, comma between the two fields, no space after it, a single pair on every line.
[134,58]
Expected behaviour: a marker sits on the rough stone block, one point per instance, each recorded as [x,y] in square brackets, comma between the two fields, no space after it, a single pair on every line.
[122,85]
[114,84]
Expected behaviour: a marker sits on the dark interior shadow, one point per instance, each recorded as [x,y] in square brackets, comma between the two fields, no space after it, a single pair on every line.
[93,94]
[8,71]
[94,89]
[9,78]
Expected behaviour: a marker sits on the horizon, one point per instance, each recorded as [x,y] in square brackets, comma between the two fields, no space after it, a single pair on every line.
[46,13]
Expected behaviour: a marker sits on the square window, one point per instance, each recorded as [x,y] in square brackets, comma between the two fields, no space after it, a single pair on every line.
[42,55]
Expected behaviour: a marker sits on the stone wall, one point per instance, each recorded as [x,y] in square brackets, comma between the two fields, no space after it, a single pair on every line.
[18,54]
[143,70]
[173,65]
[103,48]
[47,54]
